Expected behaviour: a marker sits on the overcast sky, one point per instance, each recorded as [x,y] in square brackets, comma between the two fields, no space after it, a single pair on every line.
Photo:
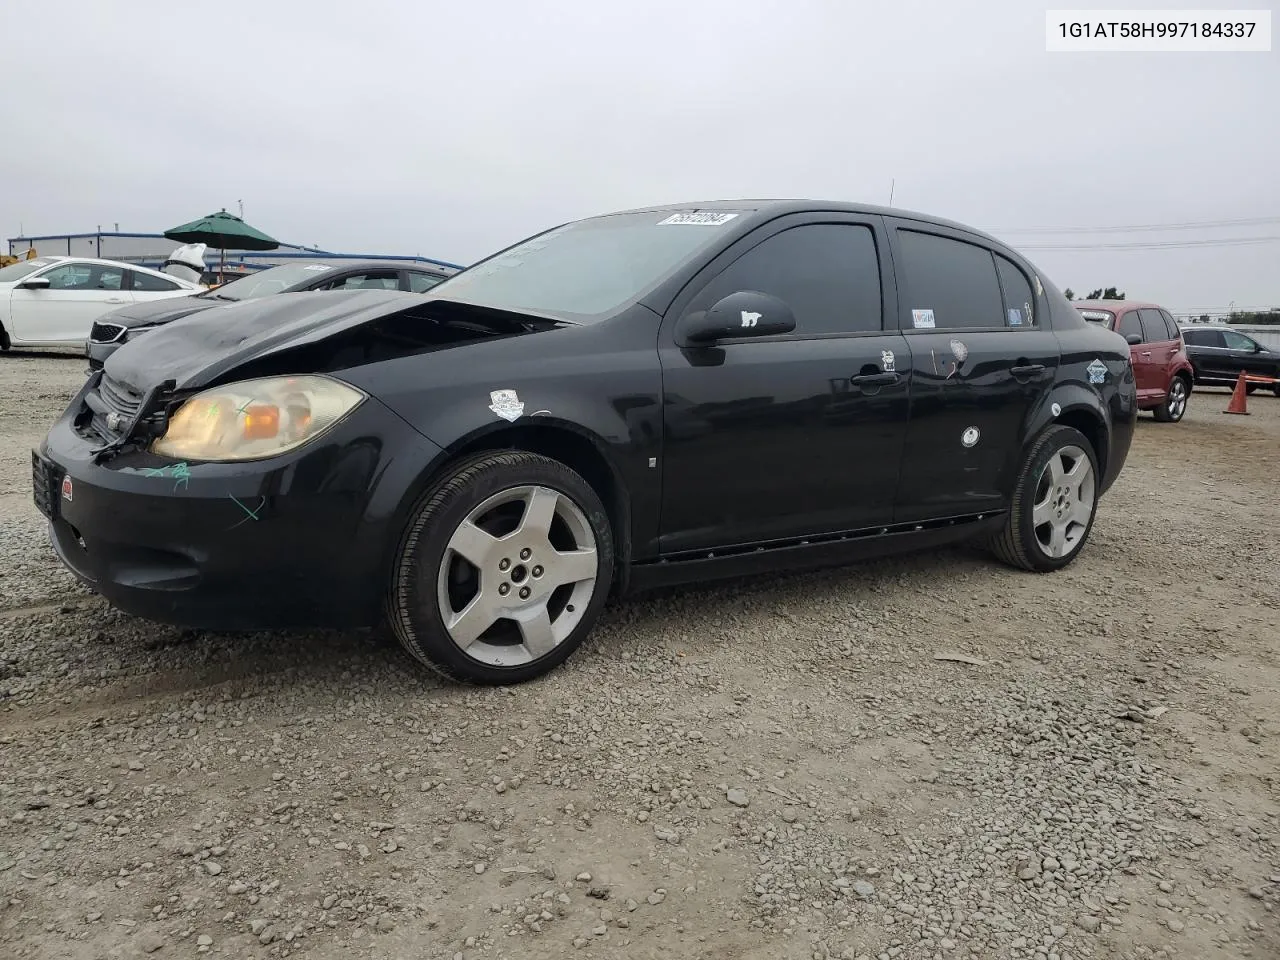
[449,130]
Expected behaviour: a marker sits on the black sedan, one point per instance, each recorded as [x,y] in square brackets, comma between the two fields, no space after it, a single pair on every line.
[120,326]
[650,397]
[1219,355]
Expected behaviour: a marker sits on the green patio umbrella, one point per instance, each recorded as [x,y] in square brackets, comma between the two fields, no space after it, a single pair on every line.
[222,231]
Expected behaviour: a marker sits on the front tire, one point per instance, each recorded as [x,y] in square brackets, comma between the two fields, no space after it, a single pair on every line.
[502,570]
[1175,403]
[1054,503]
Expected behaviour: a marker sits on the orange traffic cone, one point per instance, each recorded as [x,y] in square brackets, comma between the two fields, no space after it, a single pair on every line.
[1237,404]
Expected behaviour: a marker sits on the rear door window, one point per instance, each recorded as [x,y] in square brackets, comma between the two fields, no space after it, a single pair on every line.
[1204,338]
[1153,328]
[950,284]
[150,283]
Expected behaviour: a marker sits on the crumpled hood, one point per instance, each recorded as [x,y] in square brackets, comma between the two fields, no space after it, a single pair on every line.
[197,349]
[160,311]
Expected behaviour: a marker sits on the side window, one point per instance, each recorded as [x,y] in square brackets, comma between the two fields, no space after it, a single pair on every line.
[151,284]
[85,276]
[1129,324]
[371,280]
[1196,338]
[418,282]
[827,273]
[1212,338]
[951,281]
[1153,328]
[1170,324]
[1237,341]
[1019,301]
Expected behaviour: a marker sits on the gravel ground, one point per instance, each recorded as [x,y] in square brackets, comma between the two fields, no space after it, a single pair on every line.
[783,768]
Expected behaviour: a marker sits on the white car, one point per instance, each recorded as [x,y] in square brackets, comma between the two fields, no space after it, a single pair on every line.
[53,301]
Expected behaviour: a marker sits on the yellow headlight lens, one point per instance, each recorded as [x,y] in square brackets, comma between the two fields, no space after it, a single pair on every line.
[256,418]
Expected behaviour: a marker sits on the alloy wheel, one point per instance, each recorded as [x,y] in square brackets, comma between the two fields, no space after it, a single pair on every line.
[517,576]
[1064,502]
[1177,398]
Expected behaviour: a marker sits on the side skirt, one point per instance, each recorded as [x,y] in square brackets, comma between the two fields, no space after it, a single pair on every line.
[809,553]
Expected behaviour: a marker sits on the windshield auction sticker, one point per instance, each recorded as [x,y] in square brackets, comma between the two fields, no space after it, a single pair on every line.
[699,219]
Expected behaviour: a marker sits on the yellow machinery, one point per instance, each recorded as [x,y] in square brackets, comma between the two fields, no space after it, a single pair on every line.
[7,261]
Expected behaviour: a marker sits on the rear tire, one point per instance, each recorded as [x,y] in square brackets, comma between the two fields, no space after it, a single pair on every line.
[4,339]
[1175,403]
[502,570]
[1054,503]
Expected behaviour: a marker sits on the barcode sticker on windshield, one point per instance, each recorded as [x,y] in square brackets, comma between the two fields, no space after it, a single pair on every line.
[318,266]
[699,219]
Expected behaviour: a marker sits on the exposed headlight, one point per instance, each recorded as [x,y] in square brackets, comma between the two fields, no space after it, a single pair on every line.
[256,418]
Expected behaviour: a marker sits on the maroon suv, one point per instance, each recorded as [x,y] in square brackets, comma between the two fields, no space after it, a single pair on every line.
[1160,365]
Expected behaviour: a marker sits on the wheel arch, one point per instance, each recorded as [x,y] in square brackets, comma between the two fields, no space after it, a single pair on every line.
[558,440]
[1078,408]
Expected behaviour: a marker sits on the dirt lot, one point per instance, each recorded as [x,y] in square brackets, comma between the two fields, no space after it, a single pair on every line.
[776,769]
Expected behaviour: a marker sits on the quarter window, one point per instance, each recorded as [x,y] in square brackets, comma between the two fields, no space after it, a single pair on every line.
[149,283]
[1130,325]
[1019,300]
[828,274]
[953,280]
[1170,324]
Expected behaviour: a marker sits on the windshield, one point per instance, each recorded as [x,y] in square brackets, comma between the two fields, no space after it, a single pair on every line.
[269,281]
[591,267]
[19,270]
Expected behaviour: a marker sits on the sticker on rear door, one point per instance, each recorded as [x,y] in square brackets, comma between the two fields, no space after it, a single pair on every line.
[1097,372]
[1015,317]
[922,319]
[706,219]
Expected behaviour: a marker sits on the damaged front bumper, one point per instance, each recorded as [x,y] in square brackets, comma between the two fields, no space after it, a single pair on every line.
[299,540]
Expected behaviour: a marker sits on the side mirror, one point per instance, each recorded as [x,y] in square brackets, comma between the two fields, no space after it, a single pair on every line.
[746,313]
[35,283]
[1133,339]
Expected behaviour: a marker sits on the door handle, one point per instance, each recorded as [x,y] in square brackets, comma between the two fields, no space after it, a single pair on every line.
[1027,370]
[115,299]
[1147,354]
[874,380]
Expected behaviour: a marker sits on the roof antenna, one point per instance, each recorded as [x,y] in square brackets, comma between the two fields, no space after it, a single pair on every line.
[892,183]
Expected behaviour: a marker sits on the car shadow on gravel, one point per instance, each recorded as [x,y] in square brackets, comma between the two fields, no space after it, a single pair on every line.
[91,658]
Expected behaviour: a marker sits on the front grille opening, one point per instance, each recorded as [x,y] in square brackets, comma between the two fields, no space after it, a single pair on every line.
[106,332]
